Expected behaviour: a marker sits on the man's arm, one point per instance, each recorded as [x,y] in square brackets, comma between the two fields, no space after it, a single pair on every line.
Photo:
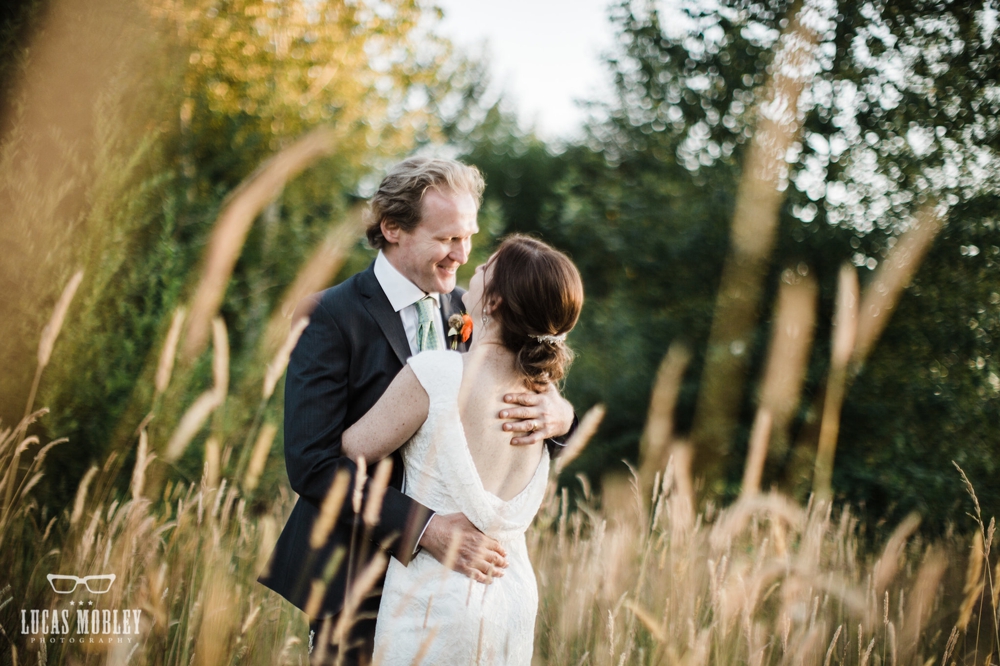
[316,395]
[315,415]
[557,444]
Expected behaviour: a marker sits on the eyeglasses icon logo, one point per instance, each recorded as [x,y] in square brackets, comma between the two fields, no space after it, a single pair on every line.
[95,584]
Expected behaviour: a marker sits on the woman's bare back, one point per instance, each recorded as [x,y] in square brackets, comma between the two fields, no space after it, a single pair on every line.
[505,470]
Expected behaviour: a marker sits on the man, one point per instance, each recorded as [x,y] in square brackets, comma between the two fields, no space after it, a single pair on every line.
[359,336]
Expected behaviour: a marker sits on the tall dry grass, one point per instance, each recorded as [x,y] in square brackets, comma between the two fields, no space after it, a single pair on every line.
[639,575]
[764,581]
[239,211]
[762,189]
[634,577]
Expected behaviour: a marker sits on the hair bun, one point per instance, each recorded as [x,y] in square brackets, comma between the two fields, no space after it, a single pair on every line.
[537,289]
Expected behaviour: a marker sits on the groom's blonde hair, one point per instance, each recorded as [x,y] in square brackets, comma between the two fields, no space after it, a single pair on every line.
[401,191]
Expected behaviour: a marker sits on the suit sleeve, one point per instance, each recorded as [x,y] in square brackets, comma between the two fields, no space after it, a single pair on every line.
[316,399]
[557,444]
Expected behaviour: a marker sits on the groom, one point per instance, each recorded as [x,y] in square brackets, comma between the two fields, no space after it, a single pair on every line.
[359,336]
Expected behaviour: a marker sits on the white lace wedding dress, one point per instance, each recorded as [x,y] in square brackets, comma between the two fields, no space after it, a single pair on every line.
[429,613]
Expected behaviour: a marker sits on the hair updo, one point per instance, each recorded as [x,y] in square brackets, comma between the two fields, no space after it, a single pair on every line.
[539,294]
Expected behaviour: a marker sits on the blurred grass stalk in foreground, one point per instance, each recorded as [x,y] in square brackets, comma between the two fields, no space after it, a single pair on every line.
[643,575]
[759,197]
[641,578]
[763,581]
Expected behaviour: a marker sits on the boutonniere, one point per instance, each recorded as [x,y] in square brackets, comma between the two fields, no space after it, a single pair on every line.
[461,328]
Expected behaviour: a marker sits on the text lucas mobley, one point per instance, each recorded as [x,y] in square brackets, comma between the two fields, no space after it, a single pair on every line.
[92,626]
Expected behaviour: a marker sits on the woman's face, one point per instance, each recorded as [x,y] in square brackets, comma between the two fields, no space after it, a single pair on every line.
[473,298]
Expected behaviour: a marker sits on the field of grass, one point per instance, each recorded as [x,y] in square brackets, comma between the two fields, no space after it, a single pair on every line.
[639,575]
[643,572]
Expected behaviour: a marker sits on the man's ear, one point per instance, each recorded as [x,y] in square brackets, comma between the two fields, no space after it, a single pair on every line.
[390,230]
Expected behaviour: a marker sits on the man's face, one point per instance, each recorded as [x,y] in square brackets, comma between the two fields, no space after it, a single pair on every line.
[431,253]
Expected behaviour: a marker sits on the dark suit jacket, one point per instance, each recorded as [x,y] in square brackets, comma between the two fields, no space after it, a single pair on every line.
[345,360]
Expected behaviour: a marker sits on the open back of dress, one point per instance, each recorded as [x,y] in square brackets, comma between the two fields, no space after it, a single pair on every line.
[433,612]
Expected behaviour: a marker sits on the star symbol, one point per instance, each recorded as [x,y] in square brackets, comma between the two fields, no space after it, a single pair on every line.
[91,603]
[71,603]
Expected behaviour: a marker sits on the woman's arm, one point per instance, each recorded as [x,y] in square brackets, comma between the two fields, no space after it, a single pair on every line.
[398,414]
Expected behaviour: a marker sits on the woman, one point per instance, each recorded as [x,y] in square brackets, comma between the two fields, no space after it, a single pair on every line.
[458,458]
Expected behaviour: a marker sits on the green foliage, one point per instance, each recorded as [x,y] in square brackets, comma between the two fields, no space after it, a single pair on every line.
[17,20]
[899,112]
[931,393]
[225,87]
[902,110]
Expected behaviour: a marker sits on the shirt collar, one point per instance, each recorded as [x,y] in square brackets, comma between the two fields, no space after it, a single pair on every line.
[397,287]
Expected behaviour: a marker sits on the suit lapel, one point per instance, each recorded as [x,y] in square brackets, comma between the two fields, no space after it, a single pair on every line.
[451,304]
[381,310]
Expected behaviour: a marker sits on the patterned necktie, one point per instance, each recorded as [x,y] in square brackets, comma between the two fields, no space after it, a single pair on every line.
[426,333]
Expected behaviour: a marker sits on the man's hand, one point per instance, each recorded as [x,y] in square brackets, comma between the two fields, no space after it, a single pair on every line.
[476,555]
[541,415]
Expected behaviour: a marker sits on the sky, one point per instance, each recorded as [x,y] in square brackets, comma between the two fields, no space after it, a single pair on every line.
[543,54]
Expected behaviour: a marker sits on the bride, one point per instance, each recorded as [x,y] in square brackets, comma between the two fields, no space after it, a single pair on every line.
[441,408]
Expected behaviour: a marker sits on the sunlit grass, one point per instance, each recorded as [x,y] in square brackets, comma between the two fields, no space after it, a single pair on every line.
[637,574]
[632,577]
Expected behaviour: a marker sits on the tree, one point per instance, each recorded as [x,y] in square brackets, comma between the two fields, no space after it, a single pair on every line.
[899,112]
[227,84]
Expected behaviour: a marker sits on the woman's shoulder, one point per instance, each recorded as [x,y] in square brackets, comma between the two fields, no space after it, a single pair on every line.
[432,356]
[436,365]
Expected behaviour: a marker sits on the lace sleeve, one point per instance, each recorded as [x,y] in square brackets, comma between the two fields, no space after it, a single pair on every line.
[439,371]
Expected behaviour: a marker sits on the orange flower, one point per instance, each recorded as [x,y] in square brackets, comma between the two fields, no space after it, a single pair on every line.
[460,328]
[466,327]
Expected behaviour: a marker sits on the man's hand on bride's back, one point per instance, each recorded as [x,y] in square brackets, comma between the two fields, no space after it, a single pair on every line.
[454,541]
[535,416]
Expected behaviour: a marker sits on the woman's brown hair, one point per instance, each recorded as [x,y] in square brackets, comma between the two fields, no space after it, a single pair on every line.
[538,294]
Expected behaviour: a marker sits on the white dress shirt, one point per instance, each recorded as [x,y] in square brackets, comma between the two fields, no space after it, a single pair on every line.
[403,296]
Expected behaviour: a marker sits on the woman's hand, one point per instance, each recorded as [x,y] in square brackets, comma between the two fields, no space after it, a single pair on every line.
[540,415]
